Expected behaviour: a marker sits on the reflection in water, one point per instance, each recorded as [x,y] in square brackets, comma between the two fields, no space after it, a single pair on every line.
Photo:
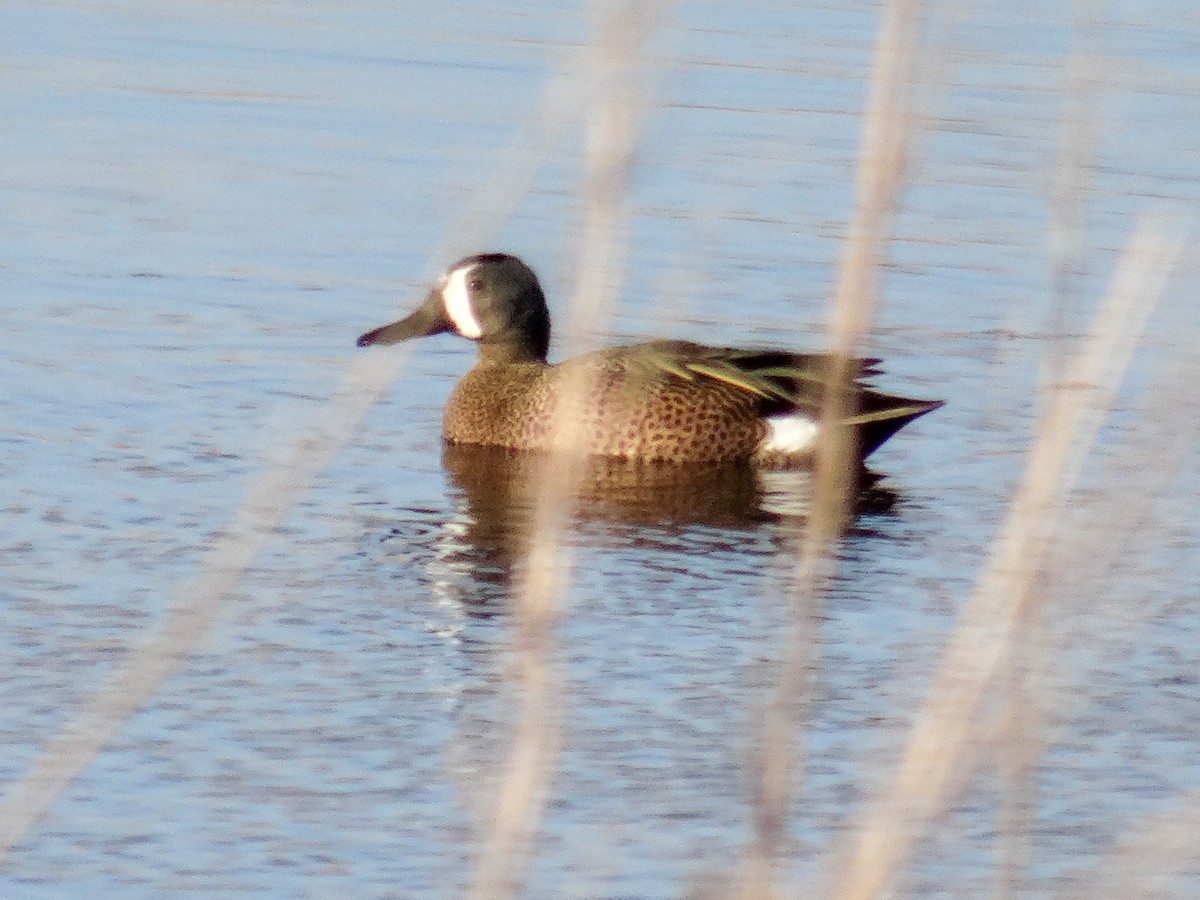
[661,501]
[498,483]
[669,619]
[500,488]
[470,555]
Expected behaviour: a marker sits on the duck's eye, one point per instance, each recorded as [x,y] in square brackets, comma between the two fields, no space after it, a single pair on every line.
[475,284]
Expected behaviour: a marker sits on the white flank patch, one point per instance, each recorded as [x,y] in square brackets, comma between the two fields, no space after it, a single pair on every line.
[790,434]
[457,300]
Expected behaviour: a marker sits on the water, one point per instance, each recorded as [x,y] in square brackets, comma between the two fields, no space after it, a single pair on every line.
[205,204]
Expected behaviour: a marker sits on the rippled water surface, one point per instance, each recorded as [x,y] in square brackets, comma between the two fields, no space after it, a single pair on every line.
[204,204]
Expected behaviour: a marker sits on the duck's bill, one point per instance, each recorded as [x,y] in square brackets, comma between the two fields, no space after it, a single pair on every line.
[429,318]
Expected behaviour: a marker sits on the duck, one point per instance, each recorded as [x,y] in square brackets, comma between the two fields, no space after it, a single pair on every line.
[661,401]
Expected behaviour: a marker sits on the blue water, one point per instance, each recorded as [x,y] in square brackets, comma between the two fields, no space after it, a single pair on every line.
[204,204]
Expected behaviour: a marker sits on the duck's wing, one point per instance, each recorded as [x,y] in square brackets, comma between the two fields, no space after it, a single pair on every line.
[786,382]
[781,380]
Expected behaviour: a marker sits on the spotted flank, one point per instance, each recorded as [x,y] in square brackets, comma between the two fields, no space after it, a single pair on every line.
[661,401]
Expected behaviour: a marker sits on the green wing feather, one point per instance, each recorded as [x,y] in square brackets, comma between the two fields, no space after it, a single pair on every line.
[781,380]
[790,379]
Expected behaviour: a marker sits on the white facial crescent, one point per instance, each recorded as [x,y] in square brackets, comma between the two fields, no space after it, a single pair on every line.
[457,300]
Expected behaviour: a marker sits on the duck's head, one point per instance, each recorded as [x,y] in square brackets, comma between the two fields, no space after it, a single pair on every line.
[492,298]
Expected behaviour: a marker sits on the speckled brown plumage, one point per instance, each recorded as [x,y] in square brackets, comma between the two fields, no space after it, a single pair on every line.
[629,412]
[662,401]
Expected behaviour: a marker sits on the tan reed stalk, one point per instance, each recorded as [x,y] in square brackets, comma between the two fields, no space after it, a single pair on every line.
[1068,234]
[1123,520]
[1021,729]
[1123,524]
[199,602]
[556,113]
[945,731]
[1160,848]
[885,146]
[611,139]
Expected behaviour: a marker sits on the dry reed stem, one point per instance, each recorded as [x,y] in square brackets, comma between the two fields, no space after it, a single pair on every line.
[1068,211]
[1094,545]
[881,174]
[1152,852]
[557,111]
[1157,851]
[1091,547]
[1021,729]
[611,140]
[199,601]
[197,605]
[942,734]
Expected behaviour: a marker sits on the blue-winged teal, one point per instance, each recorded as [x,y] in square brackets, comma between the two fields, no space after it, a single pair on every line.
[670,401]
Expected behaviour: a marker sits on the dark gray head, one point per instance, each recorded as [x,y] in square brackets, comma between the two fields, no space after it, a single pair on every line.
[491,298]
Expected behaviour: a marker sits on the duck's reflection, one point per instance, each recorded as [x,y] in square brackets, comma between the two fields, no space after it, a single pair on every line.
[497,484]
[500,491]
